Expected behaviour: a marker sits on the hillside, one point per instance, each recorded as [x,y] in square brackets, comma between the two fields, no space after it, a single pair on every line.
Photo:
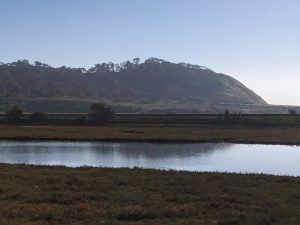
[153,85]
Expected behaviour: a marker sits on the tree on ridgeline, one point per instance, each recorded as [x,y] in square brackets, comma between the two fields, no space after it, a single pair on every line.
[136,61]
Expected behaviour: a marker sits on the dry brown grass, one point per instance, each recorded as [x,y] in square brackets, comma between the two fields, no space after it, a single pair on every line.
[155,133]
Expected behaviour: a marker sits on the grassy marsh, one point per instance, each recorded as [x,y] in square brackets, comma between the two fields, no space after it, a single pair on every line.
[60,195]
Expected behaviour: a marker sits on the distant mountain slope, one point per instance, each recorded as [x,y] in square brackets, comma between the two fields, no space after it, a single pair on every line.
[153,82]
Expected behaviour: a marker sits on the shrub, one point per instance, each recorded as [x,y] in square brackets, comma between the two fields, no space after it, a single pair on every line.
[81,120]
[292,111]
[226,114]
[39,117]
[101,113]
[14,114]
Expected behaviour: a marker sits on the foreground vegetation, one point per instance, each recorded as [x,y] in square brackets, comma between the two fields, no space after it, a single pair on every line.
[58,195]
[154,133]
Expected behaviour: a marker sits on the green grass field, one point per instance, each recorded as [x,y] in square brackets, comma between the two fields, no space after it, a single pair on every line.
[38,195]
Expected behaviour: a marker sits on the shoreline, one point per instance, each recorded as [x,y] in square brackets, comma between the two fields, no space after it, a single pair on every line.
[50,166]
[154,141]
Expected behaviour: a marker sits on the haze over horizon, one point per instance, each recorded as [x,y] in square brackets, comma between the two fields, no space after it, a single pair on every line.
[254,41]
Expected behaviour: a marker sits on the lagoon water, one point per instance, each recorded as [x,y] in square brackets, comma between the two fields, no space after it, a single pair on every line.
[270,159]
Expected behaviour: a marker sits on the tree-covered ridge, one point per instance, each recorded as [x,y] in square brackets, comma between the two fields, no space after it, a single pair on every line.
[154,80]
[105,67]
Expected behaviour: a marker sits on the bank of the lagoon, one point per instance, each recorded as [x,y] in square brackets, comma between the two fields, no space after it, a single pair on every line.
[152,133]
[39,195]
[221,157]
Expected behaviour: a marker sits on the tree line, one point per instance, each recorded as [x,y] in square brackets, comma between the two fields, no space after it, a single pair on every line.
[99,114]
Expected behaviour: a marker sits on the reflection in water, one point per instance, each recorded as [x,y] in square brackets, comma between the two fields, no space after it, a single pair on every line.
[159,151]
[195,157]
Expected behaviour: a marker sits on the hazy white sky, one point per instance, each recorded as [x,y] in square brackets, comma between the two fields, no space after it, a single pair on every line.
[255,41]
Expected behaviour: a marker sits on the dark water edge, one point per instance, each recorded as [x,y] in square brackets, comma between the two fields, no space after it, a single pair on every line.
[154,141]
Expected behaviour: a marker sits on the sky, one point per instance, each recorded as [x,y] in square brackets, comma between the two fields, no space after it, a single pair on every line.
[255,41]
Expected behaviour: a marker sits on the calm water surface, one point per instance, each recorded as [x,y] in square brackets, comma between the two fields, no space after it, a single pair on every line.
[272,159]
